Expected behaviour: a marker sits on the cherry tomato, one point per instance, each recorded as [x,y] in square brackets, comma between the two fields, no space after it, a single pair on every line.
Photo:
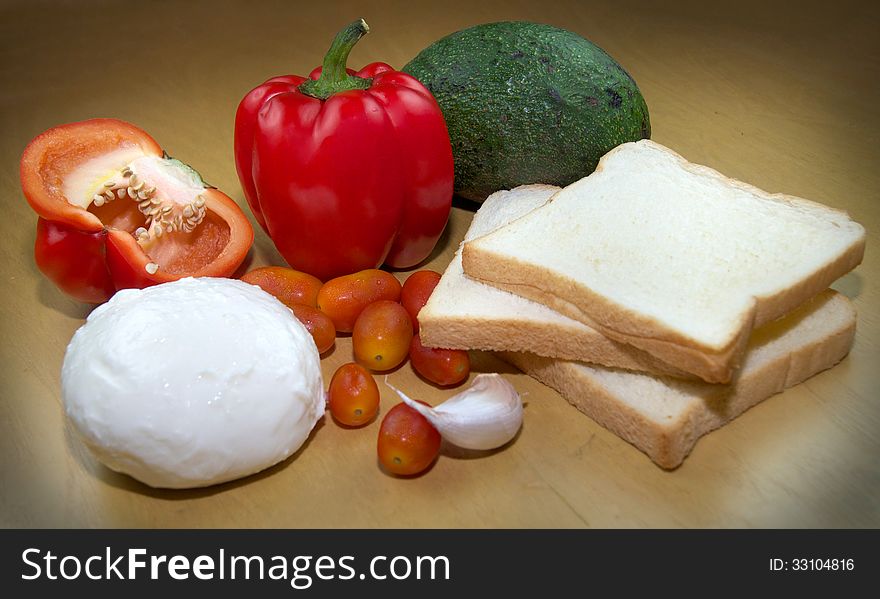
[440,366]
[381,335]
[416,291]
[319,325]
[408,443]
[290,286]
[354,396]
[343,298]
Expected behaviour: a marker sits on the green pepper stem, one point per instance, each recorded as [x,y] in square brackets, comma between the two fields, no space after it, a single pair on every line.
[334,78]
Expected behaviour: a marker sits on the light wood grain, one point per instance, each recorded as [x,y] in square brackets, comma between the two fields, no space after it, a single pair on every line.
[784,100]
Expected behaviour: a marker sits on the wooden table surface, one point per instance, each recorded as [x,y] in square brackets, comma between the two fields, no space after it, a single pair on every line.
[784,100]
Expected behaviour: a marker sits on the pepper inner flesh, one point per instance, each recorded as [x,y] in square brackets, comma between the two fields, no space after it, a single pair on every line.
[160,201]
[181,253]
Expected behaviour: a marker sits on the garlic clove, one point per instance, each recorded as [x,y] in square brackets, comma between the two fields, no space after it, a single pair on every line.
[486,415]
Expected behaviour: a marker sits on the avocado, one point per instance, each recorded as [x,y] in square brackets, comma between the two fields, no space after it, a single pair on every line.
[528,103]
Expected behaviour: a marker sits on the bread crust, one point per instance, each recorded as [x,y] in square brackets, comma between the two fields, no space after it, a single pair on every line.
[712,367]
[568,296]
[543,339]
[668,443]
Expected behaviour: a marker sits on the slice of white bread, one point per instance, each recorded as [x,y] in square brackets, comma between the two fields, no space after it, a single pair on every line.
[665,417]
[669,256]
[465,314]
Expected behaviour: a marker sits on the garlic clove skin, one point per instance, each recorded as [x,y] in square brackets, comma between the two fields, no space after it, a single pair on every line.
[484,416]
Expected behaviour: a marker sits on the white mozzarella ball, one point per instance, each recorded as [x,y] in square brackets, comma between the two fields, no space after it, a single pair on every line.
[192,383]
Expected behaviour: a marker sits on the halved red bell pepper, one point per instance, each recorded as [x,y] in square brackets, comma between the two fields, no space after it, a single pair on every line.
[346,170]
[117,212]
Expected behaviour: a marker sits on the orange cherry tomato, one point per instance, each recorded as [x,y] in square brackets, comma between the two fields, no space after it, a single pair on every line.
[408,443]
[440,366]
[353,395]
[343,298]
[416,291]
[290,286]
[318,324]
[382,335]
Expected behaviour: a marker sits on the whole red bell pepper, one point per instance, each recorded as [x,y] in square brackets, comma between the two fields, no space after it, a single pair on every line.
[346,170]
[116,212]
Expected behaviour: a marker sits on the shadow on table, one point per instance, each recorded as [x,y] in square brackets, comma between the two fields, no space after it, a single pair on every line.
[849,285]
[122,481]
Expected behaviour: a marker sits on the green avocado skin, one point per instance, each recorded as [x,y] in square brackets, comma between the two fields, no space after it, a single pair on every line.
[528,103]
